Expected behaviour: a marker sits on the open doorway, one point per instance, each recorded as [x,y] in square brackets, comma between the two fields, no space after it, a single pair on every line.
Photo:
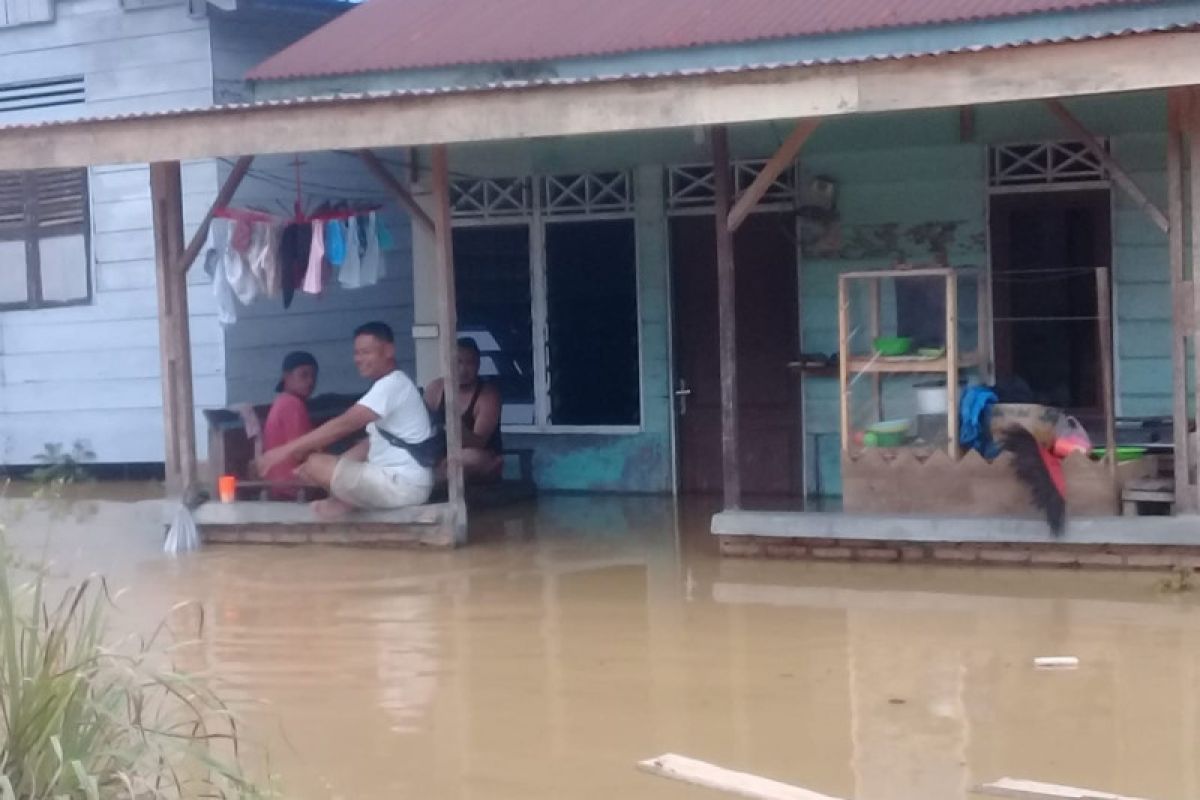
[1045,248]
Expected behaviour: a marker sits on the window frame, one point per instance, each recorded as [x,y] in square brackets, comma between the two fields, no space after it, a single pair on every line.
[536,218]
[32,234]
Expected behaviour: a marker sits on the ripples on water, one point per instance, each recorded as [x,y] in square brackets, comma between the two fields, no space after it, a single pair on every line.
[581,637]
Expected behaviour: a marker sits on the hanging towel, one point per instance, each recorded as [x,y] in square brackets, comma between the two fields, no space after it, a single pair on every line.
[386,240]
[350,275]
[372,258]
[294,246]
[316,258]
[219,234]
[260,256]
[335,242]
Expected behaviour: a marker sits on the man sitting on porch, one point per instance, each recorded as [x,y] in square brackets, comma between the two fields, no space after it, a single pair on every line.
[383,471]
[480,401]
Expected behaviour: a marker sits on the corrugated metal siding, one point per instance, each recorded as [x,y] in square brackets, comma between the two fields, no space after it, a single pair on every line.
[391,35]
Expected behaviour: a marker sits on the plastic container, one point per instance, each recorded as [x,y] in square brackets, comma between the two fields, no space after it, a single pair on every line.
[227,488]
[893,345]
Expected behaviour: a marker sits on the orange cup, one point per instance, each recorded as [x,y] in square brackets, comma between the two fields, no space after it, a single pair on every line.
[227,488]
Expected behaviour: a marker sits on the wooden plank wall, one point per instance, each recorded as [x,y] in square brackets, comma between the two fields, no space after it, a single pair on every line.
[92,372]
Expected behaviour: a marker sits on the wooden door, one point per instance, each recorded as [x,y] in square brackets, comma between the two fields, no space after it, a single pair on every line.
[769,408]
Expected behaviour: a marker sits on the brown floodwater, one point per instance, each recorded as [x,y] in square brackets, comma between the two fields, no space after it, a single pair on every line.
[581,636]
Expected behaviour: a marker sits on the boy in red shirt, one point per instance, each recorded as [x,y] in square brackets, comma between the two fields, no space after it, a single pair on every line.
[288,418]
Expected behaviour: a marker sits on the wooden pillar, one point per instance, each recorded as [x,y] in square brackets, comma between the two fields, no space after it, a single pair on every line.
[1192,127]
[447,314]
[1108,400]
[1181,305]
[174,337]
[726,320]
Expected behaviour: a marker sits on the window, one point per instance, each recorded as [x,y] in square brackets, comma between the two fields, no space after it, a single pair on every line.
[43,238]
[547,286]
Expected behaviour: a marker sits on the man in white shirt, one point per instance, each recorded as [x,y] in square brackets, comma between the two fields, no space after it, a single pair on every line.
[385,470]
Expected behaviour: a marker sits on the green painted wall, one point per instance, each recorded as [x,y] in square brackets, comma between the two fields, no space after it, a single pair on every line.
[901,178]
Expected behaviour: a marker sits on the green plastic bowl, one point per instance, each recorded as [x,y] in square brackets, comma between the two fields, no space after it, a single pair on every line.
[1127,453]
[892,433]
[893,345]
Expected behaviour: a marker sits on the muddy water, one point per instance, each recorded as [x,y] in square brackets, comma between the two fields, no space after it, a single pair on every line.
[575,640]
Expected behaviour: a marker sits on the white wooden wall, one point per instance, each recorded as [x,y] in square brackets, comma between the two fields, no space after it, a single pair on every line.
[92,372]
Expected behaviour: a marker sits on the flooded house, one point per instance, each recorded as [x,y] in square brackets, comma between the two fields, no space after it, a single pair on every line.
[685,236]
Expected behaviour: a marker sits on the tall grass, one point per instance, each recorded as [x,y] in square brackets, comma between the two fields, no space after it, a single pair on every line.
[87,717]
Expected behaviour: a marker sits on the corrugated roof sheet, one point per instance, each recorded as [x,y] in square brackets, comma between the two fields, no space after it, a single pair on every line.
[393,35]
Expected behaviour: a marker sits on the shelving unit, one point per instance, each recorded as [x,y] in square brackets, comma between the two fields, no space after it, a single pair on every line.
[950,364]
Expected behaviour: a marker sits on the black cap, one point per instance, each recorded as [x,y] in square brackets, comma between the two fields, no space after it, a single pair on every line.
[296,358]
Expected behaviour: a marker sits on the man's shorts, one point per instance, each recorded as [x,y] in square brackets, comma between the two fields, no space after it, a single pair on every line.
[369,486]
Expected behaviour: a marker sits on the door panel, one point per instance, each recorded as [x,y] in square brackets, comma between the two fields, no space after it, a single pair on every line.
[769,418]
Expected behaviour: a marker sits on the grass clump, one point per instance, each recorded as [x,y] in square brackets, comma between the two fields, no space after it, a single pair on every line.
[84,717]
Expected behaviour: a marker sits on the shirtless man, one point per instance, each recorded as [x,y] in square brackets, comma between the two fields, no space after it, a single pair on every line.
[480,401]
[379,472]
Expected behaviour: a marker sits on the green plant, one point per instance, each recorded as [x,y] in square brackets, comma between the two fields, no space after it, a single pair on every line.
[86,718]
[60,466]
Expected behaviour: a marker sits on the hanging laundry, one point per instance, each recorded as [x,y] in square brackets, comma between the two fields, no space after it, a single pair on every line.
[335,242]
[372,258]
[294,247]
[350,274]
[219,235]
[316,259]
[242,236]
[386,240]
[261,255]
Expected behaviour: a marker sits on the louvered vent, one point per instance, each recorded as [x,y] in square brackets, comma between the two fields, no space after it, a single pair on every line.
[51,199]
[50,93]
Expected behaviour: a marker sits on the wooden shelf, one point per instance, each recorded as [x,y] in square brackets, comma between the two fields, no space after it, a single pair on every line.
[869,364]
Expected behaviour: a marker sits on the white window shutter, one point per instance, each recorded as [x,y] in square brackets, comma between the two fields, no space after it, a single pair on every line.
[24,12]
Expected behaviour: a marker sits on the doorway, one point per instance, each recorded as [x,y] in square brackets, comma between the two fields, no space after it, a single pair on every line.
[1045,248]
[767,340]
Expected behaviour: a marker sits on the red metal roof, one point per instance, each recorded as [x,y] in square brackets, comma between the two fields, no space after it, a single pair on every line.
[390,35]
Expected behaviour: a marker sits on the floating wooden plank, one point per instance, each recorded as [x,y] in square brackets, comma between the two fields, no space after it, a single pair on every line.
[380,171]
[782,159]
[224,198]
[701,773]
[1119,175]
[1035,790]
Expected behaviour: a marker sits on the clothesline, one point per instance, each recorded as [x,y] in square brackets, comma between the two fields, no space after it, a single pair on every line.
[258,215]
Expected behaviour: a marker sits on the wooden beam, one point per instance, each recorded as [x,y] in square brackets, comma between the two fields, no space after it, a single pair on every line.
[224,197]
[726,321]
[711,776]
[448,339]
[1192,122]
[1108,399]
[783,158]
[1122,178]
[174,338]
[406,200]
[606,106]
[1181,322]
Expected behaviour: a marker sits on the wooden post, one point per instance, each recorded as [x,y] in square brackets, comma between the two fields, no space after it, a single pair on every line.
[448,340]
[1108,400]
[876,308]
[952,361]
[1193,188]
[726,321]
[844,359]
[174,339]
[1180,322]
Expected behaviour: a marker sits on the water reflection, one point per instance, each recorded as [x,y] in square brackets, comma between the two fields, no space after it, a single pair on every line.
[576,639]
